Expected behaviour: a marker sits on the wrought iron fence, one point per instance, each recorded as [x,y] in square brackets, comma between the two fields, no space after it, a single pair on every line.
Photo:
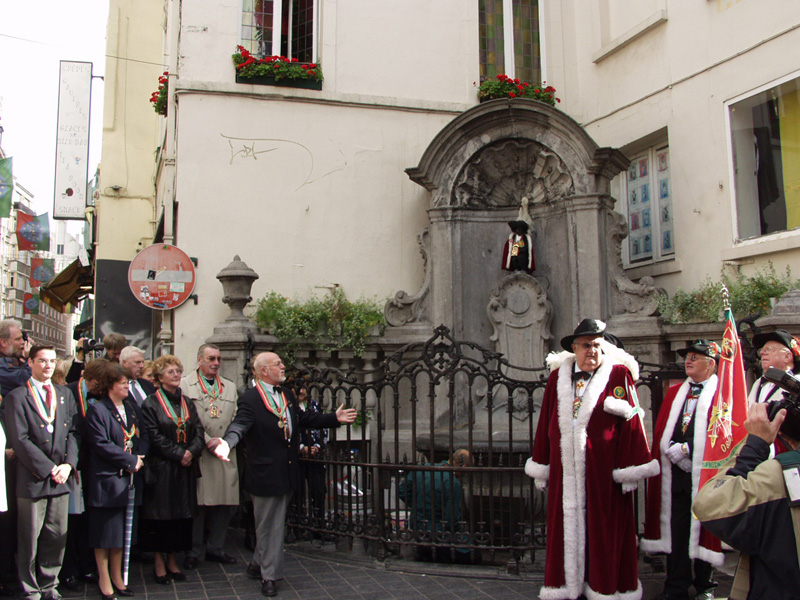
[393,483]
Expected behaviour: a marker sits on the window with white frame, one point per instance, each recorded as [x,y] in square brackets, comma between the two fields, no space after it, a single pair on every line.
[509,39]
[646,193]
[281,28]
[765,140]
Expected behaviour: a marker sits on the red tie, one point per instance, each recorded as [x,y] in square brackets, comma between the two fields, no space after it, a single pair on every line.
[48,396]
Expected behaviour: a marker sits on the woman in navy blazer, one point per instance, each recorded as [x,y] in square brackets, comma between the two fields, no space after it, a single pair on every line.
[117,444]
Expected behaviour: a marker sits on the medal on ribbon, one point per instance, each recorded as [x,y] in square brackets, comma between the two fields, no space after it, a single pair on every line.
[179,419]
[127,434]
[47,414]
[213,391]
[272,405]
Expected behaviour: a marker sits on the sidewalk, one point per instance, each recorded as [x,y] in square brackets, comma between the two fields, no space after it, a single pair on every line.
[314,573]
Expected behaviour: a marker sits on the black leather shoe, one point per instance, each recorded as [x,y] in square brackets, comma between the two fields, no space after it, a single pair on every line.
[162,579]
[90,578]
[72,584]
[176,575]
[190,563]
[123,592]
[708,595]
[223,558]
[268,588]
[253,571]
[107,596]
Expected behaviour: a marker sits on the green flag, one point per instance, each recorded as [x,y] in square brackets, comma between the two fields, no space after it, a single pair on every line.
[6,186]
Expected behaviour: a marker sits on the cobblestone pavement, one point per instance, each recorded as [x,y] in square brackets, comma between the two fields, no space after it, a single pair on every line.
[322,573]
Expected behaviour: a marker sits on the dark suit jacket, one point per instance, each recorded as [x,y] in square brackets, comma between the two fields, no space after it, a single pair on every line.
[37,450]
[12,374]
[80,423]
[107,475]
[148,388]
[272,467]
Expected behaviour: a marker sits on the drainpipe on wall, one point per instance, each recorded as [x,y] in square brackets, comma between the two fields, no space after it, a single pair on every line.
[166,336]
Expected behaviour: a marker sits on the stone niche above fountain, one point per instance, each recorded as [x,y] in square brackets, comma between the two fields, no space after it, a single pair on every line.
[508,160]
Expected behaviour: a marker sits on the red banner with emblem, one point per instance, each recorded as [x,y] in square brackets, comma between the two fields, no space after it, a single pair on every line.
[726,430]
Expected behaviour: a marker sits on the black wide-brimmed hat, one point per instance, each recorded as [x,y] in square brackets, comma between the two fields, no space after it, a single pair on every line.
[518,227]
[612,339]
[704,347]
[587,327]
[782,337]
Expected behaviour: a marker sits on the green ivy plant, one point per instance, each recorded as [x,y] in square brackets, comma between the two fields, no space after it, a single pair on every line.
[330,323]
[748,296]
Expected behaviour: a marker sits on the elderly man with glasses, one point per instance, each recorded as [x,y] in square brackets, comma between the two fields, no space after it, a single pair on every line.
[679,440]
[777,349]
[590,451]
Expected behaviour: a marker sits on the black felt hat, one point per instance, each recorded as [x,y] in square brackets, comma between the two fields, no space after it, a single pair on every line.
[612,339]
[782,337]
[518,227]
[704,347]
[587,327]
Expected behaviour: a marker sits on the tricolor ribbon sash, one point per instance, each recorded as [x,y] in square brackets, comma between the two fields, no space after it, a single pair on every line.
[179,420]
[48,414]
[277,409]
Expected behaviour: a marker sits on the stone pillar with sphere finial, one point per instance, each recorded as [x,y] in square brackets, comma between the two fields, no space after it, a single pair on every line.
[235,335]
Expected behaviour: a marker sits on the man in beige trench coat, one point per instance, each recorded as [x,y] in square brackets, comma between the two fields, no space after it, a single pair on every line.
[218,489]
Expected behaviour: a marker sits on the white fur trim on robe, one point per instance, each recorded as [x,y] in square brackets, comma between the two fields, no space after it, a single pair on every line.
[538,472]
[546,593]
[664,544]
[636,472]
[619,408]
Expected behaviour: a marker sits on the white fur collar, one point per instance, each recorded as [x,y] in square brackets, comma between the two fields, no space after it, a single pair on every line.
[611,354]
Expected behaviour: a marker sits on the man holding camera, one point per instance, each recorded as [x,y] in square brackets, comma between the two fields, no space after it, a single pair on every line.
[679,439]
[753,504]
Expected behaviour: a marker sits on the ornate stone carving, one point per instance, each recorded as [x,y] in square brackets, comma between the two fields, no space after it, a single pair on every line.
[404,308]
[628,298]
[520,314]
[500,174]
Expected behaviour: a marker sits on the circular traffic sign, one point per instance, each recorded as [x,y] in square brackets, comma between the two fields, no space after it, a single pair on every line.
[161,276]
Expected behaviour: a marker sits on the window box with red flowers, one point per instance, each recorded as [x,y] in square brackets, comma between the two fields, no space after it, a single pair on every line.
[503,86]
[159,98]
[276,70]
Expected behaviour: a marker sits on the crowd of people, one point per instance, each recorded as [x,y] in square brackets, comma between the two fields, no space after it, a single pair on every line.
[591,451]
[110,460]
[106,461]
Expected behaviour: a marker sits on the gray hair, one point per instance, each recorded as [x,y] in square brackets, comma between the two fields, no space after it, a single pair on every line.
[127,353]
[203,347]
[5,328]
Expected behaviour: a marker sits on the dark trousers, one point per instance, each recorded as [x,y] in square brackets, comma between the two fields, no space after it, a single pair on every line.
[8,525]
[679,565]
[78,557]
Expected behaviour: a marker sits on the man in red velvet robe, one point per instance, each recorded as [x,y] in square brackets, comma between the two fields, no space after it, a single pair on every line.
[679,441]
[590,451]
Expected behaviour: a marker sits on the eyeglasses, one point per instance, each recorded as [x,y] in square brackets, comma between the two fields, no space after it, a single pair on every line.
[772,350]
[693,357]
[589,346]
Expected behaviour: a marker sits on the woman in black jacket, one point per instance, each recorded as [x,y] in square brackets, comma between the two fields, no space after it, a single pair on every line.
[177,439]
[117,445]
